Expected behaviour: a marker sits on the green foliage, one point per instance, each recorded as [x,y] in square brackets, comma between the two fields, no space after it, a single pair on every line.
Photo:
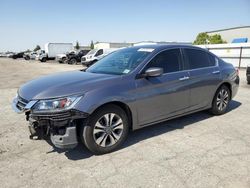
[37,48]
[77,47]
[92,45]
[216,39]
[201,38]
[204,38]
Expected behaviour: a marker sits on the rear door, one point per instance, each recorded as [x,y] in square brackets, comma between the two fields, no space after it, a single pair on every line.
[167,95]
[204,77]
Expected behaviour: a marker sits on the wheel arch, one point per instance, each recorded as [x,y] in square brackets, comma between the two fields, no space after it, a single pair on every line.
[123,106]
[226,84]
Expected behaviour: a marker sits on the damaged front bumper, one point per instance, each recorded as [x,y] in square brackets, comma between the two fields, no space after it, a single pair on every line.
[59,127]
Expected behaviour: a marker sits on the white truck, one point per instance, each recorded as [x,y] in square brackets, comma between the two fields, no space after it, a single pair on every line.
[51,50]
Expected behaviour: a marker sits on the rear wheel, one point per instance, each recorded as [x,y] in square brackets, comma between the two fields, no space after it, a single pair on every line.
[72,61]
[221,100]
[106,130]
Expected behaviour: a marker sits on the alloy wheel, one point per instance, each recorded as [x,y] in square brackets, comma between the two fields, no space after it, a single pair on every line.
[222,99]
[108,130]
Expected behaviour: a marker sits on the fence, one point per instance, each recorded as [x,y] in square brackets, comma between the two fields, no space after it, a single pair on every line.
[237,54]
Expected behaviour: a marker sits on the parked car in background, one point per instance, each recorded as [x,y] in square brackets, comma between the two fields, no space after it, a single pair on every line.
[9,54]
[30,55]
[248,74]
[51,50]
[127,90]
[18,55]
[61,58]
[74,58]
[93,56]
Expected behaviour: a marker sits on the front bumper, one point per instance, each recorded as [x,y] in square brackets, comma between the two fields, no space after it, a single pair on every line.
[88,62]
[59,127]
[66,141]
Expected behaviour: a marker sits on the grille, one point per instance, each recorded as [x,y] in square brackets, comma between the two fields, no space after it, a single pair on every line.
[21,103]
[59,116]
[83,59]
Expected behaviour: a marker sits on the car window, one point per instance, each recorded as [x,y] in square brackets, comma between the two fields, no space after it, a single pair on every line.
[169,61]
[212,60]
[100,52]
[198,58]
[120,62]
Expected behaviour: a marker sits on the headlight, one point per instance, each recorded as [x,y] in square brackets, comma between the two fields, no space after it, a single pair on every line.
[56,104]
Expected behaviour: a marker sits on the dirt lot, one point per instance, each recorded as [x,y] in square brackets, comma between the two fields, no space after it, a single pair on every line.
[198,150]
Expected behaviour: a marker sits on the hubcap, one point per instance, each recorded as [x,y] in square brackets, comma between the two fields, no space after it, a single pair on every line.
[222,99]
[108,130]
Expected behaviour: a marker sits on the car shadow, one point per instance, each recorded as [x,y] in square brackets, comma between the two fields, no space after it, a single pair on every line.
[80,152]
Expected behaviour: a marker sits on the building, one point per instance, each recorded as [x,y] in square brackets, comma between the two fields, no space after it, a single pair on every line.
[84,48]
[107,45]
[233,33]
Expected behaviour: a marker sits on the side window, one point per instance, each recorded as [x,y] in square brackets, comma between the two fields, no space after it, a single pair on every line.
[197,58]
[169,61]
[100,52]
[212,60]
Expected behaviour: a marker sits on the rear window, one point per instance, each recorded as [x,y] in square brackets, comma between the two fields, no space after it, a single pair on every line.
[212,60]
[198,59]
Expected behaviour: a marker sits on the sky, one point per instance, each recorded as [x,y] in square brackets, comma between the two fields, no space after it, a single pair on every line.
[26,23]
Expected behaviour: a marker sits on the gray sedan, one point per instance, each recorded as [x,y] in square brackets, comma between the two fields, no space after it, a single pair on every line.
[127,90]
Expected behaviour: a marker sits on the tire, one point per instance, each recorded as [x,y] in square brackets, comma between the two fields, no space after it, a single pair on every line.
[221,100]
[100,136]
[63,60]
[44,59]
[72,61]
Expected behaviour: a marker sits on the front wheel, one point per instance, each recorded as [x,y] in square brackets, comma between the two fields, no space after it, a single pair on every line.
[44,59]
[221,100]
[106,130]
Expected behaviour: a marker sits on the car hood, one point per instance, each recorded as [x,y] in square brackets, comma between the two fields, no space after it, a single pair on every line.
[63,84]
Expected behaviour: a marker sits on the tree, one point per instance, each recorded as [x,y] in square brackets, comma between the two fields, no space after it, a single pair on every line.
[204,38]
[92,46]
[216,39]
[77,47]
[37,48]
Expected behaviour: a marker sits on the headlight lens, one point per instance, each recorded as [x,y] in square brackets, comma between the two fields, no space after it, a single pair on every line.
[56,104]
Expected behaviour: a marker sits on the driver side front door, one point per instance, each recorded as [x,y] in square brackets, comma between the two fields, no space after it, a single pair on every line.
[159,98]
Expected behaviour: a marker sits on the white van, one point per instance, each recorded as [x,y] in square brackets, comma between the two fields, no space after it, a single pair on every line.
[94,55]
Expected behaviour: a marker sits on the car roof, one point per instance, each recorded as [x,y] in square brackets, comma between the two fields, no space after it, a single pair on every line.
[158,47]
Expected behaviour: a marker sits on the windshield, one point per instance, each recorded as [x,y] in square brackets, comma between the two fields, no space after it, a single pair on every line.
[120,62]
[91,52]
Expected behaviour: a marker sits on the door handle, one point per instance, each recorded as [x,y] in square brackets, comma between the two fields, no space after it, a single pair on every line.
[216,72]
[184,78]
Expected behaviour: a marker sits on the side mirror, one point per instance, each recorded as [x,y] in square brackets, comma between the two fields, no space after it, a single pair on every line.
[153,72]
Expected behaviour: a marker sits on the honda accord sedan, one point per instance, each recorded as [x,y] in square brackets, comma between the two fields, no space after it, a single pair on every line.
[127,90]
